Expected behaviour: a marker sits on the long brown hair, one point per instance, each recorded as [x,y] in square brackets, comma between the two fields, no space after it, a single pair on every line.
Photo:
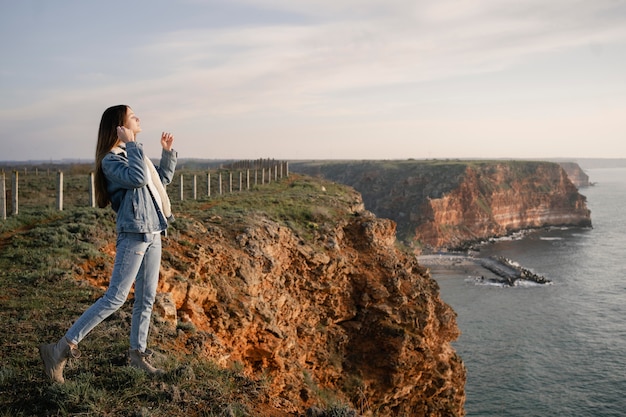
[107,138]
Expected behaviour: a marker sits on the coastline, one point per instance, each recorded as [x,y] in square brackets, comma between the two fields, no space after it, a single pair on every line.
[490,270]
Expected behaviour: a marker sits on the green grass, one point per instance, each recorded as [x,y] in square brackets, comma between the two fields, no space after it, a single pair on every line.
[301,203]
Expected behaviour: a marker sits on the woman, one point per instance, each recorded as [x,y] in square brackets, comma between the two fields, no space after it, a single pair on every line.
[128,180]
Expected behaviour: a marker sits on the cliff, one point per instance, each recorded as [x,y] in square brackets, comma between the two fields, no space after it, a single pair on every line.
[302,287]
[448,204]
[576,174]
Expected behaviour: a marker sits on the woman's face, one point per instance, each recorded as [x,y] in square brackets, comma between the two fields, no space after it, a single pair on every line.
[132,122]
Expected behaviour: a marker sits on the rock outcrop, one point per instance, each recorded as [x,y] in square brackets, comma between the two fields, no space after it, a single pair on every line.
[576,174]
[494,270]
[333,307]
[449,204]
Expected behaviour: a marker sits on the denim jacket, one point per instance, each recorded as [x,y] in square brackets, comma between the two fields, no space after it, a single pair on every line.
[127,178]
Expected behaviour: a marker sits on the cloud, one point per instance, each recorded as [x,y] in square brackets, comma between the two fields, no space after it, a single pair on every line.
[240,70]
[346,63]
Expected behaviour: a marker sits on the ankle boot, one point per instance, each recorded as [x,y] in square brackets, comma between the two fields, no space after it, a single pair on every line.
[54,357]
[138,360]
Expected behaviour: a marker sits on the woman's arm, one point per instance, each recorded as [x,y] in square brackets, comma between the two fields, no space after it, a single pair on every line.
[128,171]
[169,156]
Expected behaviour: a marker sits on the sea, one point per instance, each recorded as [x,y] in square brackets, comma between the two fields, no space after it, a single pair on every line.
[556,349]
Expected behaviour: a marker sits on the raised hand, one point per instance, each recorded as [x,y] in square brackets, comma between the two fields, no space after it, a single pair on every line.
[167,140]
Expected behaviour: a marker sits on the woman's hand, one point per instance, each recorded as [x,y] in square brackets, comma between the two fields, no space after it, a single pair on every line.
[125,135]
[167,139]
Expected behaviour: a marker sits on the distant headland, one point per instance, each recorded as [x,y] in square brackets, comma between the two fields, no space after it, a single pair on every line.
[452,204]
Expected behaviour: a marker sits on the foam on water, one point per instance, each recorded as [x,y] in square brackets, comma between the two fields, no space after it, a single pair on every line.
[520,283]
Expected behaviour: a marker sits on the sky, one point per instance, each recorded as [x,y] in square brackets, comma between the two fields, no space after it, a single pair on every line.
[322,79]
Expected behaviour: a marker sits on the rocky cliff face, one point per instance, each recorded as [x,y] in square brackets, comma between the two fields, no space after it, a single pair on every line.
[331,308]
[441,204]
[576,174]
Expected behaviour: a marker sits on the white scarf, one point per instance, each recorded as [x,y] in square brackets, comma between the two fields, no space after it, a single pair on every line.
[154,184]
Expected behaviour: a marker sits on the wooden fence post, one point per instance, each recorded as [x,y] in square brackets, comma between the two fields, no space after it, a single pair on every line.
[262,176]
[247,179]
[92,190]
[230,182]
[208,184]
[287,169]
[275,172]
[3,196]
[240,180]
[195,183]
[220,183]
[256,177]
[15,198]
[182,193]
[60,191]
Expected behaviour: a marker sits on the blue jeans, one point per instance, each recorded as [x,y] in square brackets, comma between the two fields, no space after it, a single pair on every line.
[137,260]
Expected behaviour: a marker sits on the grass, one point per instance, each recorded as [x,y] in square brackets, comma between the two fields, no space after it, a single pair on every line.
[42,253]
[301,203]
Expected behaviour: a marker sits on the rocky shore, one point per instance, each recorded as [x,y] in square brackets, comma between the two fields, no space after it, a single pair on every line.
[493,269]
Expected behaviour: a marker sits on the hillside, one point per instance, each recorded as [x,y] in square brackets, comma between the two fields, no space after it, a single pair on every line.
[272,302]
[451,203]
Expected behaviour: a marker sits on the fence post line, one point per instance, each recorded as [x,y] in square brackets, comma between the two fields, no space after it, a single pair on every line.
[208,184]
[92,190]
[60,190]
[3,196]
[195,183]
[15,197]
[182,193]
